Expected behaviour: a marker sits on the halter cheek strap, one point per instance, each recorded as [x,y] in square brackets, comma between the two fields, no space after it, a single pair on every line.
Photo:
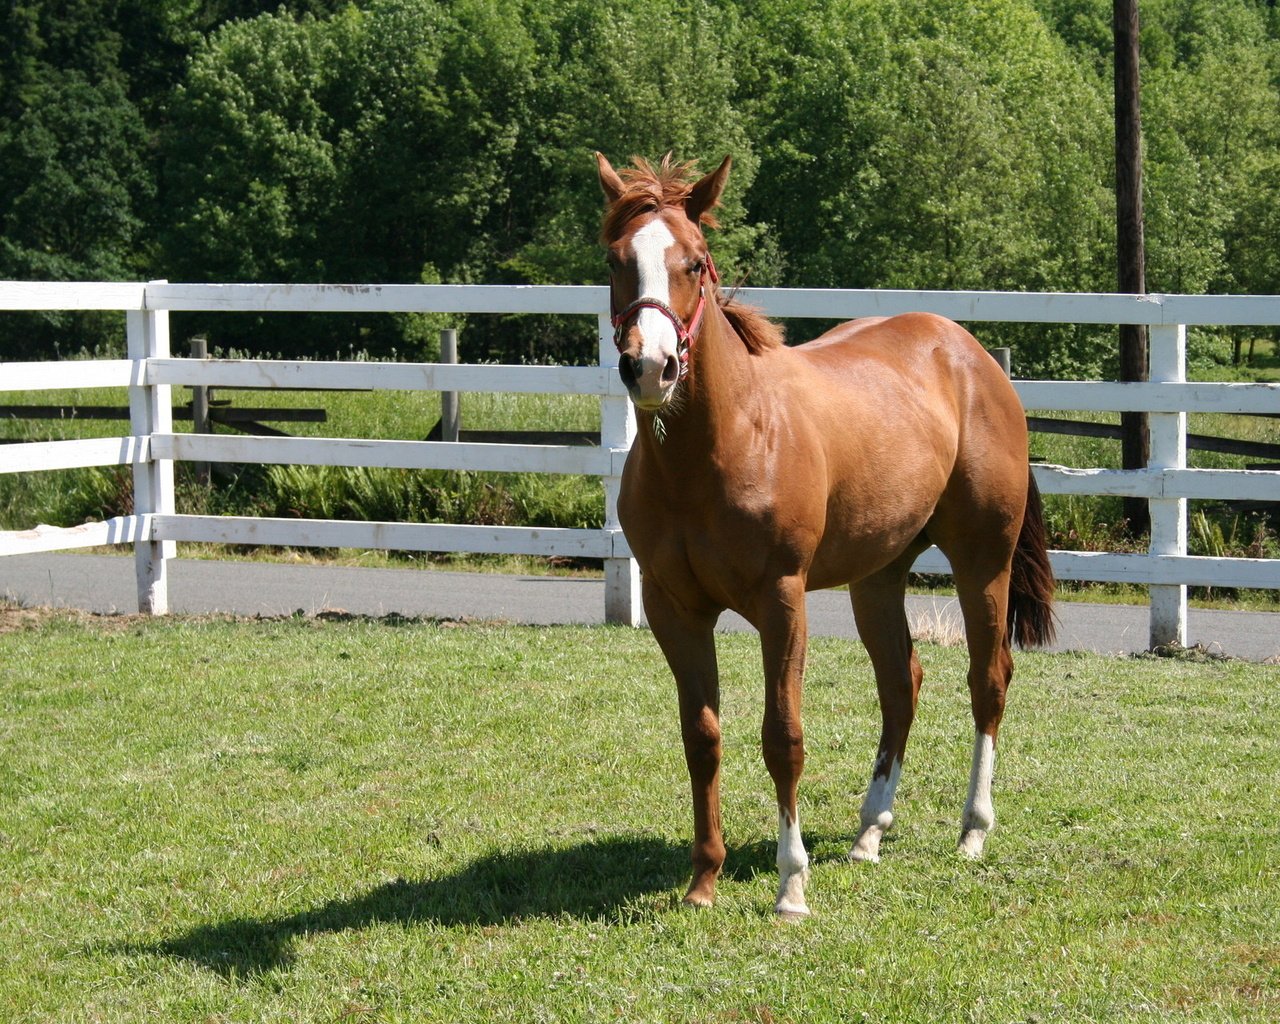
[684,334]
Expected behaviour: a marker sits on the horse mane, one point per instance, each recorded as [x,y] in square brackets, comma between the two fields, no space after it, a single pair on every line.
[648,189]
[757,331]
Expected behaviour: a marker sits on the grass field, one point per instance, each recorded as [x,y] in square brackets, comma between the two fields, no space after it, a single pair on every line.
[350,820]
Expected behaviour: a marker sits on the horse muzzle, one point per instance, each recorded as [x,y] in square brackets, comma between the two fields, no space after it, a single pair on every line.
[653,351]
[650,381]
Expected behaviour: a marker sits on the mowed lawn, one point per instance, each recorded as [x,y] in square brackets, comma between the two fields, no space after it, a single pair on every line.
[349,820]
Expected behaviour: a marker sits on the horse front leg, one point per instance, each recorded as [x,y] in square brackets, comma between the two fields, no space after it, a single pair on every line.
[688,642]
[784,641]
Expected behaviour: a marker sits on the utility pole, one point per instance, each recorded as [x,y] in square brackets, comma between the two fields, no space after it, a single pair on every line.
[1130,244]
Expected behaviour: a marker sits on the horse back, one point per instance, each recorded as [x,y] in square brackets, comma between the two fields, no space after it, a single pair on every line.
[891,366]
[898,341]
[915,419]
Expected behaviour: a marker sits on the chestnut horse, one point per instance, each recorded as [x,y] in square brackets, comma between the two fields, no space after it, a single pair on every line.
[762,471]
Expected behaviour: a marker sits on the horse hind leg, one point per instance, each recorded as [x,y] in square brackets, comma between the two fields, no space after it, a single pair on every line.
[878,608]
[983,602]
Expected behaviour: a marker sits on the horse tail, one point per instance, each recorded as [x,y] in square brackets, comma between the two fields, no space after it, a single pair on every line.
[1031,583]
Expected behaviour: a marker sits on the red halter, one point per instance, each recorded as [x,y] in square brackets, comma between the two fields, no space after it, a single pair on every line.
[684,335]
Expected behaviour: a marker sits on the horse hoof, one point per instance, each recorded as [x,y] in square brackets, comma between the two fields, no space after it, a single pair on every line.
[866,848]
[860,856]
[971,843]
[790,903]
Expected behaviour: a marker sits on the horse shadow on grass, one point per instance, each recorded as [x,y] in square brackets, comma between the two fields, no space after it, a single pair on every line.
[606,878]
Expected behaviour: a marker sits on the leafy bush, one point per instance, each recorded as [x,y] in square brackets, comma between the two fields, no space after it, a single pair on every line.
[877,143]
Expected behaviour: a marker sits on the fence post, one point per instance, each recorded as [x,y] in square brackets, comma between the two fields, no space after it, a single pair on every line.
[1168,515]
[450,415]
[151,413]
[1003,356]
[622,603]
[200,405]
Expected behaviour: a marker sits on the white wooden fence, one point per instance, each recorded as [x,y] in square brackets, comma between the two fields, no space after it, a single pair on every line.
[151,446]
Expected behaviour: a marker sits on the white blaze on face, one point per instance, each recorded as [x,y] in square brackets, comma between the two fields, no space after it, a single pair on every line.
[650,245]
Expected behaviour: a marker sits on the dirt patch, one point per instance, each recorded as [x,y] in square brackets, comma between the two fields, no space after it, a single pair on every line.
[14,619]
[17,618]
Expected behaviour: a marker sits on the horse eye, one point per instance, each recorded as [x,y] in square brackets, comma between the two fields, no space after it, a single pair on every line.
[696,267]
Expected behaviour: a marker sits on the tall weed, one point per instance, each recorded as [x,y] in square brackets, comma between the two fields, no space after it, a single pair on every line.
[69,497]
[434,496]
[65,497]
[1077,522]
[1226,535]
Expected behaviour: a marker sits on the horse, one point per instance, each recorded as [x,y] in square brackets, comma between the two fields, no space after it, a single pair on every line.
[761,471]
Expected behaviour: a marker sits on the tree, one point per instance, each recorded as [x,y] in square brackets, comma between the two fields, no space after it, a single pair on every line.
[71,192]
[601,84]
[366,147]
[891,143]
[74,181]
[1214,135]
[918,145]
[414,140]
[602,87]
[1213,121]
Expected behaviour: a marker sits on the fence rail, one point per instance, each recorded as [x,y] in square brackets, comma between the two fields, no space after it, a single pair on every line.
[152,447]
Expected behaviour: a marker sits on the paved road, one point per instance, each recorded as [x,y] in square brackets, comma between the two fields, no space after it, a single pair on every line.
[105,583]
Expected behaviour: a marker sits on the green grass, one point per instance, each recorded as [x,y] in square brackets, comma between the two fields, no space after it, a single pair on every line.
[68,497]
[319,820]
[404,415]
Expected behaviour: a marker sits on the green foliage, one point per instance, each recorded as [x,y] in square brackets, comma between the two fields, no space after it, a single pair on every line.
[65,497]
[266,170]
[1236,537]
[915,145]
[394,495]
[76,186]
[953,151]
[877,143]
[1212,124]
[72,196]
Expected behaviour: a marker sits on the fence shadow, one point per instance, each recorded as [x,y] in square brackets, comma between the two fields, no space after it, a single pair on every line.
[591,880]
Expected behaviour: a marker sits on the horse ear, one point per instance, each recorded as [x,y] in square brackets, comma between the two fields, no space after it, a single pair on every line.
[704,196]
[609,180]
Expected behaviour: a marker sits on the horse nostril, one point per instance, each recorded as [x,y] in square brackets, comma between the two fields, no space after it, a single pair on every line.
[629,371]
[671,370]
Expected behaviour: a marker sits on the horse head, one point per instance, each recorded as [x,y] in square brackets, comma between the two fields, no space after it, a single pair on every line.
[661,276]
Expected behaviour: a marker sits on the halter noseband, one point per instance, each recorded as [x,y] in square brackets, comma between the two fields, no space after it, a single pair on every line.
[684,335]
